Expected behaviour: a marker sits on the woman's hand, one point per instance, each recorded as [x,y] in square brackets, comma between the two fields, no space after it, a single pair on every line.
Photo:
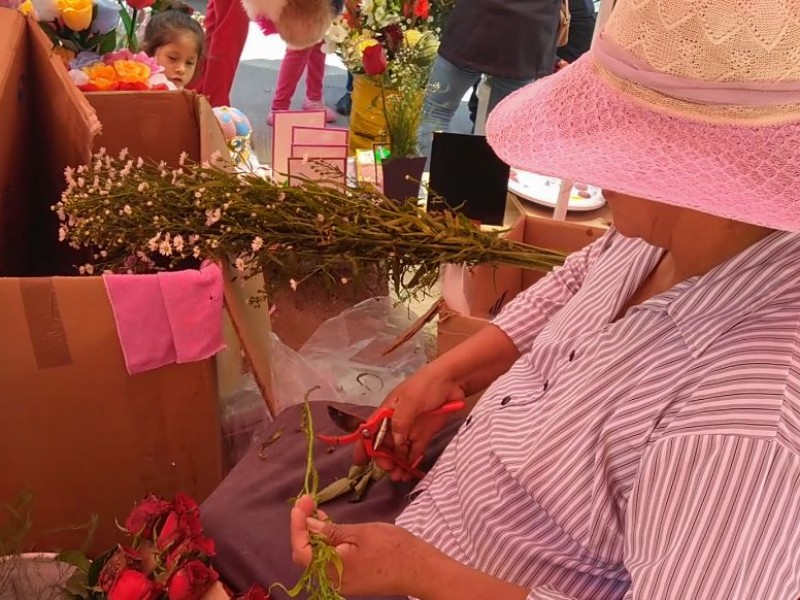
[384,560]
[426,390]
[377,558]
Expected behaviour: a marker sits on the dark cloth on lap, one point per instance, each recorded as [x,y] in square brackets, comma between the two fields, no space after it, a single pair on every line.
[248,514]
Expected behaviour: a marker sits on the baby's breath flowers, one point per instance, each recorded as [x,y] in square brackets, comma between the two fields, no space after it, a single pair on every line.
[130,213]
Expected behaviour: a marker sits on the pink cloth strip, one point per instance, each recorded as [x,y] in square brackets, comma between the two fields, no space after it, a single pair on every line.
[626,66]
[167,317]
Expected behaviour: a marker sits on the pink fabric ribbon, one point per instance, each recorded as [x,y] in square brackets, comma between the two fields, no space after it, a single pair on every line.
[623,64]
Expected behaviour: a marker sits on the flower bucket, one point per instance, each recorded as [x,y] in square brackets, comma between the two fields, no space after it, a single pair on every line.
[34,575]
[367,119]
[402,177]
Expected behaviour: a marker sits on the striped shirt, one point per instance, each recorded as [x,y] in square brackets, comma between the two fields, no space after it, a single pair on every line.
[653,456]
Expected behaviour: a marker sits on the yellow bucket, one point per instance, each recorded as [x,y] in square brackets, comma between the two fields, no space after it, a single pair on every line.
[367,119]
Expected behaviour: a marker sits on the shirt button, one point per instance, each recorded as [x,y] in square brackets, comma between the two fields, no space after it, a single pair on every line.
[572,356]
[544,387]
[505,400]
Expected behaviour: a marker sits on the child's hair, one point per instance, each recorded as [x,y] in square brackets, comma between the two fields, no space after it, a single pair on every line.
[174,20]
[303,23]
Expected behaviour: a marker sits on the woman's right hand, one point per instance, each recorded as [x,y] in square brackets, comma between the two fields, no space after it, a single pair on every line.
[426,390]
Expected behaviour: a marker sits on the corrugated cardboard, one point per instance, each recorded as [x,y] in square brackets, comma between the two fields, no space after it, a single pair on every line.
[45,123]
[488,288]
[75,429]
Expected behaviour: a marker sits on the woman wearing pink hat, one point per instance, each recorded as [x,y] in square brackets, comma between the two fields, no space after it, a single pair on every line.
[640,435]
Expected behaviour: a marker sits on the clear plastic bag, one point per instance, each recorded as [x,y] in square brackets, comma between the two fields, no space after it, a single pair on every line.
[345,357]
[243,414]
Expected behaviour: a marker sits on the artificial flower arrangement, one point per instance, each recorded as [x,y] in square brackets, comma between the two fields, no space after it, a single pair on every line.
[130,212]
[98,41]
[168,558]
[393,43]
[118,71]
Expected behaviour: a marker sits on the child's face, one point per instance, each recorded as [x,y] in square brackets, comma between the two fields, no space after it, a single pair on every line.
[179,59]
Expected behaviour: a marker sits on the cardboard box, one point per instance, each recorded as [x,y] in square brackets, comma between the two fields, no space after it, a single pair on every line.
[483,291]
[76,430]
[594,218]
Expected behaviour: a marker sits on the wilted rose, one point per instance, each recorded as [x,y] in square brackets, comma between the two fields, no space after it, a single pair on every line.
[191,548]
[122,559]
[191,582]
[145,516]
[133,585]
[374,60]
[256,592]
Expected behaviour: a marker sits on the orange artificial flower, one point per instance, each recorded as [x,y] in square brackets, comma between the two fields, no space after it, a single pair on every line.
[102,78]
[132,72]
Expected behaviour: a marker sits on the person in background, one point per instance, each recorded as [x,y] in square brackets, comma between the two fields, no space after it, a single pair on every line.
[514,45]
[312,61]
[176,41]
[581,30]
[345,104]
[226,25]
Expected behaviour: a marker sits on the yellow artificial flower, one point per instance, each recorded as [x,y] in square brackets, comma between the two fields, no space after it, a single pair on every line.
[366,43]
[102,77]
[131,71]
[76,14]
[26,8]
[412,37]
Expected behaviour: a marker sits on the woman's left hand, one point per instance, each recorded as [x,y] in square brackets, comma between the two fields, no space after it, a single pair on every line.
[377,558]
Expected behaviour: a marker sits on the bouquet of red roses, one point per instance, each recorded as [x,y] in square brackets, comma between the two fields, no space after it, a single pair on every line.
[169,558]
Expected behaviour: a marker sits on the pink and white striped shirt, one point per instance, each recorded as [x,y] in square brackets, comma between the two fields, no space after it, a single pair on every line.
[656,456]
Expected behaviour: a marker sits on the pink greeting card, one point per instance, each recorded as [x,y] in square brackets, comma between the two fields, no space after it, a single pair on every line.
[330,172]
[282,132]
[322,136]
[318,151]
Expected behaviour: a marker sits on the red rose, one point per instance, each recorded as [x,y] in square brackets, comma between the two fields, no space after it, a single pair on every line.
[182,523]
[122,559]
[374,60]
[140,4]
[422,9]
[133,585]
[256,592]
[190,548]
[191,582]
[145,516]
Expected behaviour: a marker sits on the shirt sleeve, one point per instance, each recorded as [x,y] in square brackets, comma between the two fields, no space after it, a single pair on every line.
[714,516]
[524,317]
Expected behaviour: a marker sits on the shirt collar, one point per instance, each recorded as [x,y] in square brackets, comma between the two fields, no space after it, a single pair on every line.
[703,308]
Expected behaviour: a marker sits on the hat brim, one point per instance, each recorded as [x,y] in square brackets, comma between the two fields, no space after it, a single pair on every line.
[576,125]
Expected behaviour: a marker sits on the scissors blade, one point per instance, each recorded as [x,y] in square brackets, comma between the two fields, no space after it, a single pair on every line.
[344,420]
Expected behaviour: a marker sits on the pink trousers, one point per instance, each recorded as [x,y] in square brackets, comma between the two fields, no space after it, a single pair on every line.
[311,60]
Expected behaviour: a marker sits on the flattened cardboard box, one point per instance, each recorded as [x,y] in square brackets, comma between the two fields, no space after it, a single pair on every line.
[76,430]
[488,288]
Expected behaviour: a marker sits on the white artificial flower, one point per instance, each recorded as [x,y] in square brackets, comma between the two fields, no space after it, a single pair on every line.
[336,33]
[153,242]
[177,242]
[240,265]
[212,216]
[293,285]
[257,244]
[46,10]
[127,209]
[196,251]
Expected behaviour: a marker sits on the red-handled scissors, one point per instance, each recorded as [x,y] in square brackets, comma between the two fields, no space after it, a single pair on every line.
[372,432]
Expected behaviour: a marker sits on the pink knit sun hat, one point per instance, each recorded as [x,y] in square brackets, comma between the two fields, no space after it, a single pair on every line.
[694,103]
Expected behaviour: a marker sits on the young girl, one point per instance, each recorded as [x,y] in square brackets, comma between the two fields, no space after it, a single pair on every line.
[311,60]
[175,40]
[302,25]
